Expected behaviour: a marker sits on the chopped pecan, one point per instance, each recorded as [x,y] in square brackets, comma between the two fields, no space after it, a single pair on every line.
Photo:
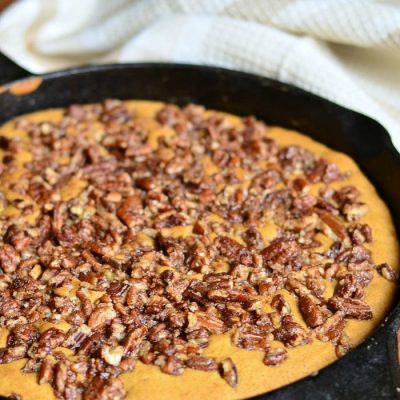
[10,354]
[145,183]
[234,251]
[352,308]
[360,234]
[228,371]
[32,365]
[313,312]
[271,284]
[175,286]
[283,252]
[353,284]
[266,179]
[22,334]
[198,228]
[133,340]
[102,388]
[316,286]
[333,223]
[101,316]
[332,327]
[343,345]
[346,194]
[9,258]
[274,357]
[304,203]
[296,158]
[48,341]
[357,254]
[46,372]
[280,304]
[91,344]
[225,295]
[300,184]
[354,211]
[388,272]
[112,355]
[173,366]
[127,211]
[253,238]
[76,336]
[324,171]
[291,334]
[202,363]
[200,320]
[253,337]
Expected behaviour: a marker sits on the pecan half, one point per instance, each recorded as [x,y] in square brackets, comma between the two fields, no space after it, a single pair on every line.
[352,308]
[333,223]
[283,252]
[313,312]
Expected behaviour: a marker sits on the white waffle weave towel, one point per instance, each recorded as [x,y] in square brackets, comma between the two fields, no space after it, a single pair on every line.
[345,50]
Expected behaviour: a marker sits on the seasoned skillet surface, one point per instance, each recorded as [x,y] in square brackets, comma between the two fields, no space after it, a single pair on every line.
[364,372]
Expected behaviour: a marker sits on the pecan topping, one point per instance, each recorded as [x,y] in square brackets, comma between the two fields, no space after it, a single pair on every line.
[105,389]
[129,244]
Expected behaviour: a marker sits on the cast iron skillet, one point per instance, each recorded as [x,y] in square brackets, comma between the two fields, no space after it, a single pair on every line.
[355,376]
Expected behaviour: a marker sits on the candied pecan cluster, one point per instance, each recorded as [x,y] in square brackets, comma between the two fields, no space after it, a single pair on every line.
[119,246]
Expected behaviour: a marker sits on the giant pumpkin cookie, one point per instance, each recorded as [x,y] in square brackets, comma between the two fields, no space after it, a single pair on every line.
[151,251]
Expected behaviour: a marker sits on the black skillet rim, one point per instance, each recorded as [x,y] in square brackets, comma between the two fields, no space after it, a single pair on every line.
[392,320]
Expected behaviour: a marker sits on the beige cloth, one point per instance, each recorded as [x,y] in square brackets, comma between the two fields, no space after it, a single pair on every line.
[345,50]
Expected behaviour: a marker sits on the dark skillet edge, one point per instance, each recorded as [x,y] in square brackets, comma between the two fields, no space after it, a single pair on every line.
[284,87]
[393,345]
[388,327]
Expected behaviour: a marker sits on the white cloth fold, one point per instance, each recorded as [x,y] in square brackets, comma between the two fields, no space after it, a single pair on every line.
[345,50]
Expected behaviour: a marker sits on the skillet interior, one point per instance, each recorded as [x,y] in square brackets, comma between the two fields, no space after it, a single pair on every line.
[276,103]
